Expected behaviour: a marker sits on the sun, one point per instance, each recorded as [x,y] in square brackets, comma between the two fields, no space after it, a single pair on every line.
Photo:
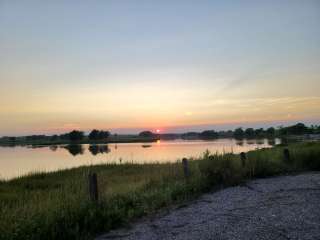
[158,130]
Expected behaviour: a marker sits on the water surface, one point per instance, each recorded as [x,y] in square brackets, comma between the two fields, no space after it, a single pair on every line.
[18,161]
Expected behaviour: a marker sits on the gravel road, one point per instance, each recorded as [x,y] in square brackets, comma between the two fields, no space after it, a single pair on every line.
[286,207]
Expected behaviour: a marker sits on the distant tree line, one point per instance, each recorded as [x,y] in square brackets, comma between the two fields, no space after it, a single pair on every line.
[146,134]
[74,135]
[209,134]
[101,135]
[297,129]
[98,135]
[79,135]
[254,133]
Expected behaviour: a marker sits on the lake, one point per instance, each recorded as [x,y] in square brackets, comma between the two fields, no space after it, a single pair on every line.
[17,161]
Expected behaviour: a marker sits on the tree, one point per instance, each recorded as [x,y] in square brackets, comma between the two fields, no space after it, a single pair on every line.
[297,129]
[190,135]
[73,136]
[104,134]
[35,137]
[238,133]
[93,135]
[12,139]
[146,134]
[259,132]
[271,131]
[98,135]
[54,137]
[249,132]
[315,129]
[209,134]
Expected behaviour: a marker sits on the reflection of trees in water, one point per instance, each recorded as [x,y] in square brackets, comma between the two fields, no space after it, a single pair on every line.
[240,142]
[10,145]
[96,149]
[37,146]
[53,148]
[146,146]
[260,141]
[250,141]
[74,149]
[271,141]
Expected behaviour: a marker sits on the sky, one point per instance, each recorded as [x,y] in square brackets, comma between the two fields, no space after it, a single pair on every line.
[170,65]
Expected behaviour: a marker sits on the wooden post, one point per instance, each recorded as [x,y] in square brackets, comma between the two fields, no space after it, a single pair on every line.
[243,158]
[286,154]
[185,165]
[93,187]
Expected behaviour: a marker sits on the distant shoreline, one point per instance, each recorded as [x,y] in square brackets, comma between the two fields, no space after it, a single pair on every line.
[84,141]
[295,132]
[138,139]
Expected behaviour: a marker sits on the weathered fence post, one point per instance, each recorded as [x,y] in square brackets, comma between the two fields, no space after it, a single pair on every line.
[93,187]
[243,158]
[186,170]
[286,154]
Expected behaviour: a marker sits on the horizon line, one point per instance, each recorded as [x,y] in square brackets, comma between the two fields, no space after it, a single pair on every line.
[178,129]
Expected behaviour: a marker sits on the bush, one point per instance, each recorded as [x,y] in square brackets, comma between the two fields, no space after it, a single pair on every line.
[220,169]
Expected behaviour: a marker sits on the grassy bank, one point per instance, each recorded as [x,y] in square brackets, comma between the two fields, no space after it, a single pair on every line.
[57,206]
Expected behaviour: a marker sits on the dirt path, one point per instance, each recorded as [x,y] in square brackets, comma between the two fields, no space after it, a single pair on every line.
[286,207]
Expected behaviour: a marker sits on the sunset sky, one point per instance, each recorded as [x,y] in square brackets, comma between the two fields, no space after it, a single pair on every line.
[169,65]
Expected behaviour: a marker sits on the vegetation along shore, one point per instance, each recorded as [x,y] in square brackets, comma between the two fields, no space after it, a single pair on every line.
[58,205]
[101,136]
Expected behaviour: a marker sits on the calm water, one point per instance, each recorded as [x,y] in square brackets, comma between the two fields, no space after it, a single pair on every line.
[17,161]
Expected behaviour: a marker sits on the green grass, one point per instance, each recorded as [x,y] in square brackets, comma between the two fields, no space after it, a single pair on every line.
[56,205]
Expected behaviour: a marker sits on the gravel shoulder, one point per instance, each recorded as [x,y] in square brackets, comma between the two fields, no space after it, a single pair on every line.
[285,207]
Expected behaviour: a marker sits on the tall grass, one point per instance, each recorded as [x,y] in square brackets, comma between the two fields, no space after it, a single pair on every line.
[57,206]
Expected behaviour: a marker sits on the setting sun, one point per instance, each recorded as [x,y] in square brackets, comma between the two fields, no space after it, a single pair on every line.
[158,130]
